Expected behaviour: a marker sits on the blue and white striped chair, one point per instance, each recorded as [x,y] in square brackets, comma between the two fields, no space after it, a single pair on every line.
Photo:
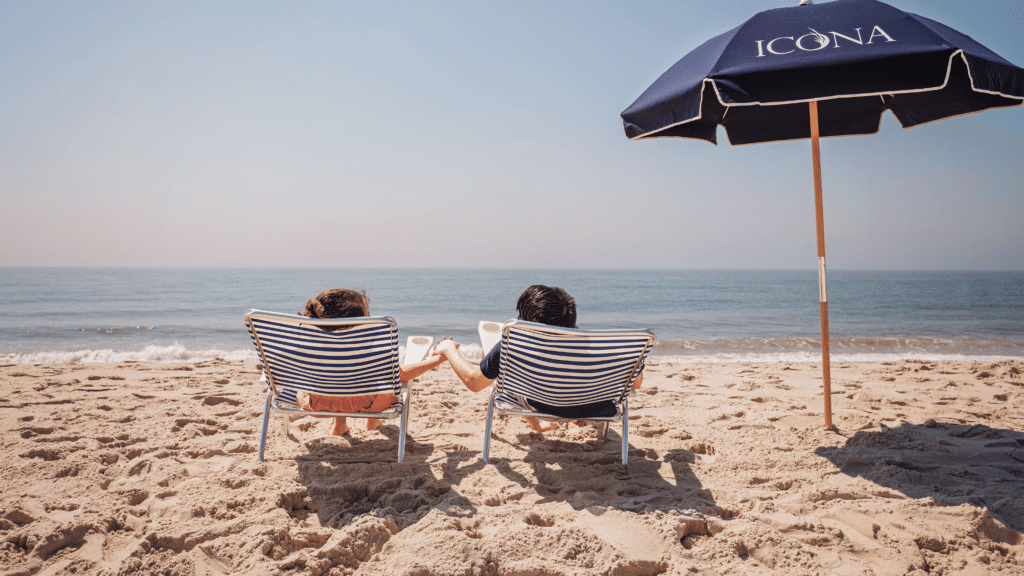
[566,367]
[298,354]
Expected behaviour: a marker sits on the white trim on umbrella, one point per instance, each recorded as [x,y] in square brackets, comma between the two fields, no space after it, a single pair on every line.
[700,112]
[945,82]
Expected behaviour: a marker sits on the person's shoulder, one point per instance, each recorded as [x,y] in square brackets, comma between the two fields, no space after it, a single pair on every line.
[491,361]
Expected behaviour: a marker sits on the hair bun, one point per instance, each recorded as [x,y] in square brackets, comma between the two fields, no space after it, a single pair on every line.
[314,309]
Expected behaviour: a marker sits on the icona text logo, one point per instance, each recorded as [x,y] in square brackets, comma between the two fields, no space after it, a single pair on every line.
[814,41]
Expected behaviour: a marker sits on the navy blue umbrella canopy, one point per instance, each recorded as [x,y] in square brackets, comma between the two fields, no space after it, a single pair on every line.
[856,58]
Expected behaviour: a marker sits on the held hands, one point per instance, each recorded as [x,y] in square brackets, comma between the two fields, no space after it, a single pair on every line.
[445,347]
[468,372]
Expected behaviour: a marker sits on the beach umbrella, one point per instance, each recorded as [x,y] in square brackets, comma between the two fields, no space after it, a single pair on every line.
[813,71]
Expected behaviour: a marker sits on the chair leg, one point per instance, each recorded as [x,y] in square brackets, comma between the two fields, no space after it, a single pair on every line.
[287,425]
[487,431]
[604,429]
[406,404]
[266,420]
[625,431]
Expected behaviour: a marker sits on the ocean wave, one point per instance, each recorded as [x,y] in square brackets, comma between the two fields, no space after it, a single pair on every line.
[843,349]
[173,353]
[960,346]
[811,358]
[117,330]
[795,350]
[471,351]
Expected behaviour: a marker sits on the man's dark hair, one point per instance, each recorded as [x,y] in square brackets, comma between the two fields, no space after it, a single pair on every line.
[547,305]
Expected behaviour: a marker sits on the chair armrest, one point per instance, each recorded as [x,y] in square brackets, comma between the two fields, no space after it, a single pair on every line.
[416,349]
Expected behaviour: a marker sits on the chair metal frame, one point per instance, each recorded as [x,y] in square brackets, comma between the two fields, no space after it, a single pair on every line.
[273,403]
[621,401]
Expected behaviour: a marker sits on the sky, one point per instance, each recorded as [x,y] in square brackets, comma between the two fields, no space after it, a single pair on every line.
[456,134]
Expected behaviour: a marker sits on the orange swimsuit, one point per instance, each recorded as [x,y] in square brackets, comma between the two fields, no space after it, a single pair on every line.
[368,404]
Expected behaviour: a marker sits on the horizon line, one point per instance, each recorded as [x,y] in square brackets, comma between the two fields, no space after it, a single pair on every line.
[524,268]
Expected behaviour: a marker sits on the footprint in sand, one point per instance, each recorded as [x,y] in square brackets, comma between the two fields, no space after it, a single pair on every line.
[215,400]
[180,423]
[651,431]
[453,448]
[35,431]
[240,447]
[213,461]
[540,520]
[142,467]
[167,505]
[49,454]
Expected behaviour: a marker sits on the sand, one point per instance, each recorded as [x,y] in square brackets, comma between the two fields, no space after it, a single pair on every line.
[139,468]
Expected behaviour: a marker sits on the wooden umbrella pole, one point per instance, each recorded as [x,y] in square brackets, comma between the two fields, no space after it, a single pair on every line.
[819,214]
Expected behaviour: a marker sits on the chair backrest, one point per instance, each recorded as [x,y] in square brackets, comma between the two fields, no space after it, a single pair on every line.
[298,353]
[568,367]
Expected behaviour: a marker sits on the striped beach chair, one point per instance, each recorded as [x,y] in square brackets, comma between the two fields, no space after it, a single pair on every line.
[298,353]
[566,367]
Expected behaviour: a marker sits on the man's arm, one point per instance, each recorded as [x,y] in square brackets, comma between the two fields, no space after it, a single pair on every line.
[468,372]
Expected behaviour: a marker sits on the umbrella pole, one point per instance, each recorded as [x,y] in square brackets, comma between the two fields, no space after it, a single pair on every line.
[819,214]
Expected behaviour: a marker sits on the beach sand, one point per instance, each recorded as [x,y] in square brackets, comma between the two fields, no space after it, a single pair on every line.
[140,468]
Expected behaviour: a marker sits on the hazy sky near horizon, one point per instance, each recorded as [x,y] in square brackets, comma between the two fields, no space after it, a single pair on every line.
[456,134]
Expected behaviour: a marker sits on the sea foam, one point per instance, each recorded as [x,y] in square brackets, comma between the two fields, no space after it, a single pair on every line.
[812,357]
[173,353]
[473,352]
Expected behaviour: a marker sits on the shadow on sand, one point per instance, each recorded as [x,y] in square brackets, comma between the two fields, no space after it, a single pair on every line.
[589,472]
[345,477]
[953,463]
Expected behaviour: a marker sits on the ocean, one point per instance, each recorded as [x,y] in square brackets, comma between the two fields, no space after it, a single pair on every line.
[67,315]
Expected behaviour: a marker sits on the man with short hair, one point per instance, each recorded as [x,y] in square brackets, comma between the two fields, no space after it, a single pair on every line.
[544,305]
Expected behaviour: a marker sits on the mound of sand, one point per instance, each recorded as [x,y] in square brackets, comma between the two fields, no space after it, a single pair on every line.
[151,468]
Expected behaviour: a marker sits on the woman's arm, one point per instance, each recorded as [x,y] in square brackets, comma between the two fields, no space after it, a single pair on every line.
[468,372]
[415,370]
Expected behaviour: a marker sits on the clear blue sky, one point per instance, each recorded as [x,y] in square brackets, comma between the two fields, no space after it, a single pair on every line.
[439,134]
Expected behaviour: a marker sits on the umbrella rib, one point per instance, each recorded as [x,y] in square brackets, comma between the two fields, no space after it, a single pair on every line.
[971,76]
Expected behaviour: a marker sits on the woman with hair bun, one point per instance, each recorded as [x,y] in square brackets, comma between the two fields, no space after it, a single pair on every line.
[344,303]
